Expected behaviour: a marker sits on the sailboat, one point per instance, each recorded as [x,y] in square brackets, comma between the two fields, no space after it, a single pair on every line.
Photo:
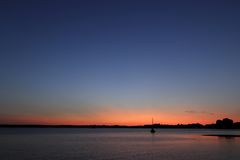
[152,129]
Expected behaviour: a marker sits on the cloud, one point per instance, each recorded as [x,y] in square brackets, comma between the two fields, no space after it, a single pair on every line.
[199,112]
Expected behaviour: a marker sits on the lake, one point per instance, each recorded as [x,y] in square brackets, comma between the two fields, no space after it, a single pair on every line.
[116,144]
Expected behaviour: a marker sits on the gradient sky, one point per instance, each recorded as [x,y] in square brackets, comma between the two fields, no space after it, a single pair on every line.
[119,61]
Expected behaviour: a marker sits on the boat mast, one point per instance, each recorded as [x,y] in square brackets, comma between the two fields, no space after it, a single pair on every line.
[152,130]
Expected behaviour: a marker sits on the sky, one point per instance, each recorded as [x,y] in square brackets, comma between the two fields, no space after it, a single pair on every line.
[119,61]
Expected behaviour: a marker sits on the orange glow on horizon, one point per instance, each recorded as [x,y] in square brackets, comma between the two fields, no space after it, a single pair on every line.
[115,116]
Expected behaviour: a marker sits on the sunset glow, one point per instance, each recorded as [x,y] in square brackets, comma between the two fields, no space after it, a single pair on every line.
[119,63]
[116,116]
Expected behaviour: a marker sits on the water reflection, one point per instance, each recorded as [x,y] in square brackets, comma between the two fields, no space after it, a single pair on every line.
[117,144]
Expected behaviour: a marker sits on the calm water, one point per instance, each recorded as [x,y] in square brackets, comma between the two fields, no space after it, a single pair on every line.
[116,144]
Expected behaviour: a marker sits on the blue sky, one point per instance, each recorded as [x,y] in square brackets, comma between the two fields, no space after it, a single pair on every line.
[70,56]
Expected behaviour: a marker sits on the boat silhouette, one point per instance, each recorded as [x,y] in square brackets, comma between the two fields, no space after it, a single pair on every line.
[152,129]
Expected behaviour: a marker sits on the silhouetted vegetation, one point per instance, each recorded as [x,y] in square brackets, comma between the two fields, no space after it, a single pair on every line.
[226,123]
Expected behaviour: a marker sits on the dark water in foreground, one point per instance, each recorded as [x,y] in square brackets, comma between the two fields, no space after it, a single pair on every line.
[116,144]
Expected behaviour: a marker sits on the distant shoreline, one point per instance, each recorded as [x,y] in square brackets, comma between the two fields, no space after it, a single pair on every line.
[222,135]
[226,123]
[181,126]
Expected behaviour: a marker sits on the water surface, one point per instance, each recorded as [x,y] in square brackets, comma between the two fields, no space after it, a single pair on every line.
[116,144]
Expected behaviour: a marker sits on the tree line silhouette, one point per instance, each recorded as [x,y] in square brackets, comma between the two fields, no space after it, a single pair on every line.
[225,123]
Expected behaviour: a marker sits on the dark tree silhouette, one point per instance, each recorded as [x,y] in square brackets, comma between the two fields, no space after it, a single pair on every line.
[236,125]
[219,124]
[226,123]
